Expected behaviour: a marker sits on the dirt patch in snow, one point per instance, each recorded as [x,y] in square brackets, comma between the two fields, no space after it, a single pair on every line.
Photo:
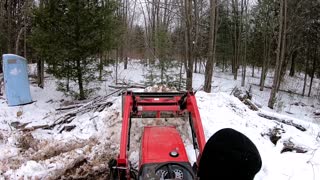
[27,141]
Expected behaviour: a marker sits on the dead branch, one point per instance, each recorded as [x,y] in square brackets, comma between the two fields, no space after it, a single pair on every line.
[284,121]
[127,86]
[67,128]
[35,127]
[49,101]
[97,104]
[69,107]
[233,90]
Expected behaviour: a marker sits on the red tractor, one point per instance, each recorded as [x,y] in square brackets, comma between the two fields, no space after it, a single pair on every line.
[162,153]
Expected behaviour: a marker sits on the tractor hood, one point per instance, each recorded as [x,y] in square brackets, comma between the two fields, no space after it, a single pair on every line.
[162,144]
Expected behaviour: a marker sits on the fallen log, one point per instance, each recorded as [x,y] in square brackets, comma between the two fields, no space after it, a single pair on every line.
[289,146]
[251,105]
[284,121]
[241,93]
[244,96]
[282,90]
[299,104]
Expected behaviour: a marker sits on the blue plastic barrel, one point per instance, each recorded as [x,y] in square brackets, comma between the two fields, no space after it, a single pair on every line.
[15,73]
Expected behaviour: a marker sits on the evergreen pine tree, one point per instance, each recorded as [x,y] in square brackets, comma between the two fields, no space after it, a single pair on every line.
[69,34]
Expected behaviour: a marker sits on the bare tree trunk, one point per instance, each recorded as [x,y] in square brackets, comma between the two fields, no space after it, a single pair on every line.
[125,18]
[212,47]
[280,53]
[25,43]
[283,62]
[40,73]
[195,64]
[68,76]
[252,73]
[293,59]
[239,41]
[196,27]
[9,24]
[313,71]
[17,40]
[2,22]
[154,31]
[26,8]
[244,60]
[305,76]
[117,61]
[235,49]
[237,35]
[266,59]
[40,65]
[80,79]
[100,66]
[189,49]
[180,74]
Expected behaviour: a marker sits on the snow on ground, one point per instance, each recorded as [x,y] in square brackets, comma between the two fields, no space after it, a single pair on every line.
[220,110]
[84,151]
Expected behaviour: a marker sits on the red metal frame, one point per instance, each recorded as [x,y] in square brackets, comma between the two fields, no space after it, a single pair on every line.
[192,107]
[135,103]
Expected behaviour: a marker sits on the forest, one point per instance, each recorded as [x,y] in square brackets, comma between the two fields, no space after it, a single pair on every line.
[101,75]
[76,39]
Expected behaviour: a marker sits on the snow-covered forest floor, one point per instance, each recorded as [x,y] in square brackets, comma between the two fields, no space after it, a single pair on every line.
[34,146]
